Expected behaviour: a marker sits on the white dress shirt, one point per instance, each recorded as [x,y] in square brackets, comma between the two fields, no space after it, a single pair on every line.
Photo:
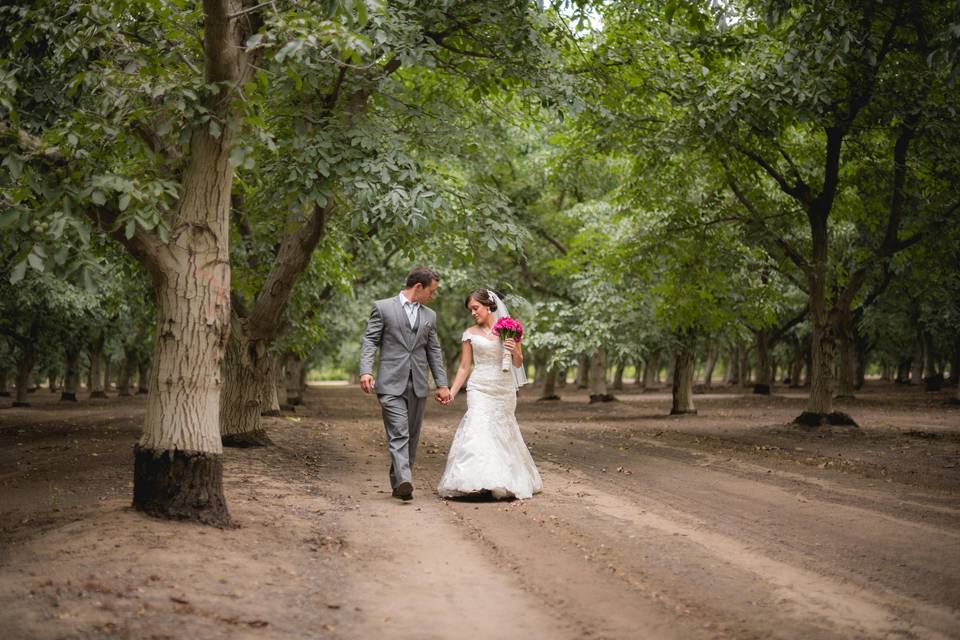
[411,309]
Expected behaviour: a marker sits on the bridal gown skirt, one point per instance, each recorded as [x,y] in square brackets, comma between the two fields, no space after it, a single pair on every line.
[488,452]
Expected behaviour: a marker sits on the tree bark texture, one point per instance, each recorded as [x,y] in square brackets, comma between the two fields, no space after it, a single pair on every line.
[71,376]
[583,371]
[550,384]
[25,364]
[246,367]
[651,370]
[96,373]
[598,377]
[684,369]
[618,376]
[269,400]
[764,369]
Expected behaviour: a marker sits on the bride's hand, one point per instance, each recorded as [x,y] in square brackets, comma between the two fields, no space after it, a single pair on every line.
[511,345]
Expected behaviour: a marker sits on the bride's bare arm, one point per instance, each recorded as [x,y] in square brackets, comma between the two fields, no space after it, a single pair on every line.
[466,359]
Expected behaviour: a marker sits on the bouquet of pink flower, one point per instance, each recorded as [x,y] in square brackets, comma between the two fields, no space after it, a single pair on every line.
[507,328]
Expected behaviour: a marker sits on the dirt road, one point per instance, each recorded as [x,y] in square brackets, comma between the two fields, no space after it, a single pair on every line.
[722,525]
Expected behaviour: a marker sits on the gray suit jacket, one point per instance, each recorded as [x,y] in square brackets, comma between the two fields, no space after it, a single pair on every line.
[401,351]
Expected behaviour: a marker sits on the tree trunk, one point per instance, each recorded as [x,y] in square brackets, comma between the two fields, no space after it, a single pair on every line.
[934,378]
[583,371]
[269,400]
[764,373]
[107,373]
[245,371]
[671,368]
[846,385]
[733,366]
[293,370]
[638,373]
[549,385]
[650,370]
[618,376]
[96,373]
[28,358]
[126,372]
[598,377]
[819,410]
[4,390]
[712,353]
[743,366]
[796,371]
[143,375]
[916,364]
[53,381]
[562,377]
[683,374]
[71,377]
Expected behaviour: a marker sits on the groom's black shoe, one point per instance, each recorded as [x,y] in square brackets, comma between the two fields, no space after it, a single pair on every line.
[404,491]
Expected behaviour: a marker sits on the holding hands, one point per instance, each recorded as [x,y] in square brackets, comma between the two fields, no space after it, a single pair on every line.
[444,396]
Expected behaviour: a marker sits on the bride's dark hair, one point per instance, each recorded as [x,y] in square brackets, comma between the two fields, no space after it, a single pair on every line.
[483,297]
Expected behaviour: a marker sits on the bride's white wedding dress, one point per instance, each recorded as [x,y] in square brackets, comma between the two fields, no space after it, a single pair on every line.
[488,453]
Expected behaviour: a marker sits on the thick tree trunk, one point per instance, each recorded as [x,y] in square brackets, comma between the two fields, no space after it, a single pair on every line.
[819,410]
[638,373]
[71,377]
[618,376]
[732,376]
[4,390]
[143,376]
[598,377]
[96,373]
[28,358]
[934,378]
[107,373]
[847,382]
[671,367]
[583,371]
[178,465]
[650,370]
[764,368]
[743,367]
[712,354]
[293,372]
[244,372]
[916,364]
[126,372]
[683,374]
[549,385]
[796,370]
[269,400]
[562,375]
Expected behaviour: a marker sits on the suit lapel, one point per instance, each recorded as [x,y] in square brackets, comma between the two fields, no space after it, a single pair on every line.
[420,324]
[403,324]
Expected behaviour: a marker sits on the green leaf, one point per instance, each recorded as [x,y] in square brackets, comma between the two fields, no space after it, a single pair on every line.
[124,201]
[35,261]
[98,198]
[9,219]
[18,271]
[215,129]
[130,229]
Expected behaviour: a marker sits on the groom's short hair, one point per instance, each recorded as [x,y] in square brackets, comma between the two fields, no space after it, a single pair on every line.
[423,275]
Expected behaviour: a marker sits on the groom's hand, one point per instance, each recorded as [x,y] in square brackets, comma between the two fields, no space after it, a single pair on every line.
[366,383]
[443,395]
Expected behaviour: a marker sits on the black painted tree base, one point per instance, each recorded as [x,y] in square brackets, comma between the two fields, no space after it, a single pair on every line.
[21,404]
[548,398]
[98,395]
[602,397]
[683,412]
[258,438]
[68,396]
[271,413]
[175,485]
[142,392]
[761,389]
[5,394]
[835,419]
[287,407]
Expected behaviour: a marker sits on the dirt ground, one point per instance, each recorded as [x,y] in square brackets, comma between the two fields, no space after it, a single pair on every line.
[727,524]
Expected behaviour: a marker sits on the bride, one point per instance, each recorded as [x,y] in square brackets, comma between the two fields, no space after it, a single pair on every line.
[488,453]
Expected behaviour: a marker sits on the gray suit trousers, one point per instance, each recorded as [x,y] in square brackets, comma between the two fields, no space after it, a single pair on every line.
[402,417]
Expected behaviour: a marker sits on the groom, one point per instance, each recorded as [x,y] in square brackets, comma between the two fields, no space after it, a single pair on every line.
[406,332]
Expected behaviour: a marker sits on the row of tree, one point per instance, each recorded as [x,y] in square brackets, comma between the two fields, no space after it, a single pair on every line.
[222,187]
